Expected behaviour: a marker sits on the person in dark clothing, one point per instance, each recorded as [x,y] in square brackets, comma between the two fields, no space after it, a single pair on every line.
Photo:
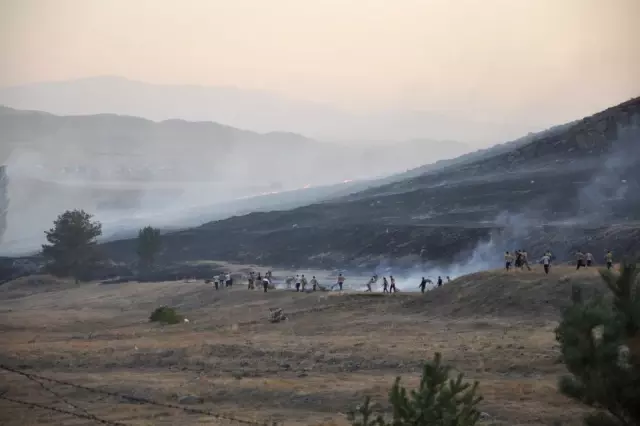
[392,288]
[423,284]
[518,261]
[580,260]
[265,284]
[439,281]
[385,285]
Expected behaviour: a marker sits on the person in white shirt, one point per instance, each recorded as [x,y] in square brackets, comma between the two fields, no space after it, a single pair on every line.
[589,258]
[546,263]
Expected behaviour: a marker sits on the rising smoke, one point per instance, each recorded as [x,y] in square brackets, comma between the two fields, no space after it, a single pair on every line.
[608,197]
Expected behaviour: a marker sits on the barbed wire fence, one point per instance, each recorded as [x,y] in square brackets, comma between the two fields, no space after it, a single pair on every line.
[82,413]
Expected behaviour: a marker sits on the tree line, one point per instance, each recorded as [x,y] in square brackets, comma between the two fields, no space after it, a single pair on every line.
[72,249]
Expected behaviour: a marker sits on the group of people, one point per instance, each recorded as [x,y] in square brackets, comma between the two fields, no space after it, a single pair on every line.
[256,280]
[222,279]
[389,286]
[519,259]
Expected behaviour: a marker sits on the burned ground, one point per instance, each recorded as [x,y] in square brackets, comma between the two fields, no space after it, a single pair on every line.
[570,189]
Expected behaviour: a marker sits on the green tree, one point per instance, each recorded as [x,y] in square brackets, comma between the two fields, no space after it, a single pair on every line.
[600,344]
[72,248]
[149,244]
[438,401]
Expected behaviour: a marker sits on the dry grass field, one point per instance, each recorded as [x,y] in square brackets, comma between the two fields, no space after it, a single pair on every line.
[335,348]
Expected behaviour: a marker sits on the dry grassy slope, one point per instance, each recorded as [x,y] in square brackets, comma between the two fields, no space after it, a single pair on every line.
[495,327]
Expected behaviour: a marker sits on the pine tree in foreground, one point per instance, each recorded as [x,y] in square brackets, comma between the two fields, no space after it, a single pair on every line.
[600,344]
[438,401]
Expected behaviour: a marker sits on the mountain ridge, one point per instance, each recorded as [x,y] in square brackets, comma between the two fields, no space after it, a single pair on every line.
[248,109]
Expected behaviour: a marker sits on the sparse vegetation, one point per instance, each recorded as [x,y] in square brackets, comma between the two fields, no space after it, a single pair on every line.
[438,401]
[165,315]
[149,245]
[600,343]
[72,247]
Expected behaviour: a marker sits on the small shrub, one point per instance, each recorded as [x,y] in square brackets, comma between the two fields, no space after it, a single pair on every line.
[438,401]
[165,315]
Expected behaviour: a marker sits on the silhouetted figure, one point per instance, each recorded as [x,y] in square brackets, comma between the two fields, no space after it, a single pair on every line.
[439,281]
[423,284]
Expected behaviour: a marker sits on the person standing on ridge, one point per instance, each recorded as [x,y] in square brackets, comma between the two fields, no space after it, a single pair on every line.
[589,258]
[608,258]
[298,282]
[423,284]
[546,262]
[385,285]
[340,281]
[579,260]
[303,282]
[314,283]
[392,288]
[265,283]
[507,260]
[439,281]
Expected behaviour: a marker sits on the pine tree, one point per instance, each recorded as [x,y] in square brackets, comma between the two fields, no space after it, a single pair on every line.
[149,244]
[438,401]
[72,247]
[600,344]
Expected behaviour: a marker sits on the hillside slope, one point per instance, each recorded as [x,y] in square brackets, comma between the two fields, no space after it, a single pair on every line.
[170,173]
[565,190]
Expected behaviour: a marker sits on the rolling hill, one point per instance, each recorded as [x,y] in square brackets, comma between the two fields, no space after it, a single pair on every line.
[573,187]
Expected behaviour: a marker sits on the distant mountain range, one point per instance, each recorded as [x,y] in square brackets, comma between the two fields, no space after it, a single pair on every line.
[249,109]
[126,169]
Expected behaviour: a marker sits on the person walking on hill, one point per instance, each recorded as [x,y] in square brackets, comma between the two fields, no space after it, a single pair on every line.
[392,288]
[518,259]
[251,281]
[579,260]
[314,283]
[216,281]
[423,284]
[508,258]
[546,263]
[265,284]
[439,281]
[340,282]
[608,258]
[589,258]
[298,282]
[303,282]
[385,285]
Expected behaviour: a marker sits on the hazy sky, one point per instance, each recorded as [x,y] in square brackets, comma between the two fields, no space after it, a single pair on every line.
[493,59]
